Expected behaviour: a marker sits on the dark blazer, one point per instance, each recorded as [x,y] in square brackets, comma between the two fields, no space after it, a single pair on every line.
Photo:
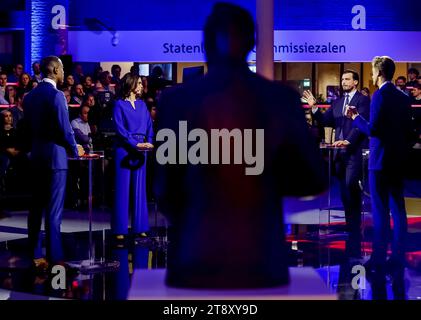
[334,118]
[47,127]
[228,226]
[390,129]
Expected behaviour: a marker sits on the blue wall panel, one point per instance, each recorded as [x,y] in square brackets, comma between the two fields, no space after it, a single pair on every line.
[390,15]
[40,38]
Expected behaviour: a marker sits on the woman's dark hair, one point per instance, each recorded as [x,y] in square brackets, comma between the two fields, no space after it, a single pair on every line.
[128,84]
[367,90]
[7,95]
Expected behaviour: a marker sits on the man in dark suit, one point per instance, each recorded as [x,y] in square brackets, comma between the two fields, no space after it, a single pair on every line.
[48,128]
[391,138]
[227,226]
[348,161]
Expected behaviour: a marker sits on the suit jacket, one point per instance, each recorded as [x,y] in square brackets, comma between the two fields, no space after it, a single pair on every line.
[334,118]
[47,127]
[228,226]
[390,129]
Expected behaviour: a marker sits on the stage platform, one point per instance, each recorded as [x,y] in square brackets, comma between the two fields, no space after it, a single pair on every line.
[306,284]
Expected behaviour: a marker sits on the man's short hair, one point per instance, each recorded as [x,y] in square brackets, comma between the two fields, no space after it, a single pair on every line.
[115,67]
[227,18]
[401,78]
[414,71]
[83,105]
[355,75]
[385,65]
[417,86]
[47,65]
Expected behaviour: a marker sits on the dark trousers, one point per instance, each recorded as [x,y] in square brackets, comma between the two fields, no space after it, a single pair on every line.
[349,172]
[48,192]
[387,195]
[4,164]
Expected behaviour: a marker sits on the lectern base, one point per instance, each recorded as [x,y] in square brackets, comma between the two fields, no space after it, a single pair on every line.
[94,266]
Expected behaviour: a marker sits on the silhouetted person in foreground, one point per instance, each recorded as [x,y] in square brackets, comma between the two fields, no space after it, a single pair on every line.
[226,219]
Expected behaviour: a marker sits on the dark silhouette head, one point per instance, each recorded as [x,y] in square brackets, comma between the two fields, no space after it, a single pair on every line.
[157,72]
[52,67]
[228,33]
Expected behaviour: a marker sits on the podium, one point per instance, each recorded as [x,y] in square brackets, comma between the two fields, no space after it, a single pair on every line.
[305,284]
[331,149]
[92,265]
[365,194]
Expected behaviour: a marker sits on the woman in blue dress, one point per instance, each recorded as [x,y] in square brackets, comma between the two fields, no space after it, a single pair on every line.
[134,135]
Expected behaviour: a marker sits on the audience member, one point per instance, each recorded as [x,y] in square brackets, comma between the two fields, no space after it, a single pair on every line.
[400,83]
[36,69]
[17,71]
[413,73]
[82,130]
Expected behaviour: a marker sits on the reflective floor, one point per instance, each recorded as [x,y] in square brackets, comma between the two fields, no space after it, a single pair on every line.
[316,238]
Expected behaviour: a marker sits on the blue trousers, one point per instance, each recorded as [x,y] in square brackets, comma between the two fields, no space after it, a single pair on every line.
[48,192]
[130,191]
[387,195]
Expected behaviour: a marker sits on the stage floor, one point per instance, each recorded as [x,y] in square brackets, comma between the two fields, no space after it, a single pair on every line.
[315,243]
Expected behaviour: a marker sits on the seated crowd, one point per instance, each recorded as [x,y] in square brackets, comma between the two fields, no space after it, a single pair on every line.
[90,99]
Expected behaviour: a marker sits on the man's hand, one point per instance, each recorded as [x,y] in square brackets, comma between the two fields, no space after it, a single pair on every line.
[144,146]
[12,151]
[351,112]
[80,150]
[341,143]
[308,96]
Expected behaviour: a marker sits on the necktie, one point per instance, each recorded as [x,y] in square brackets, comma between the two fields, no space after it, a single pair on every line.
[346,103]
[341,134]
